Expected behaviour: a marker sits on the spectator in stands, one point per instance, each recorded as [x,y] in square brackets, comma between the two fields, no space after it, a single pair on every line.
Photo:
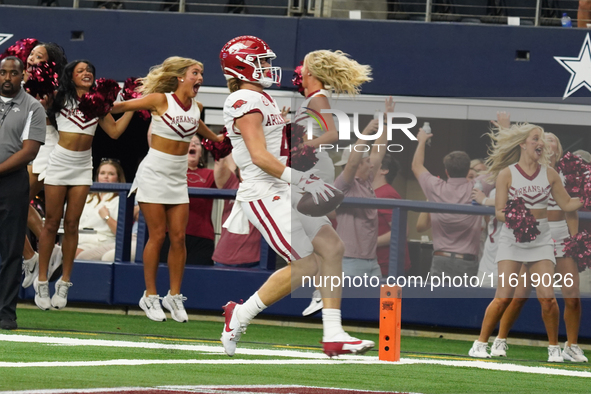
[199,237]
[23,132]
[456,238]
[234,250]
[584,13]
[100,213]
[477,167]
[356,226]
[382,186]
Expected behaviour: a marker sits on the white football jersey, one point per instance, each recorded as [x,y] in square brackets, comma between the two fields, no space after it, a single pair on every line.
[256,183]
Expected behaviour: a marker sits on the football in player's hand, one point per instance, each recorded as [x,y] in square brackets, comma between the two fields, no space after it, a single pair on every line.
[309,208]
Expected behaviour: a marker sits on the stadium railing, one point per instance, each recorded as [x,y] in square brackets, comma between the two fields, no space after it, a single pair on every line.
[529,12]
[399,208]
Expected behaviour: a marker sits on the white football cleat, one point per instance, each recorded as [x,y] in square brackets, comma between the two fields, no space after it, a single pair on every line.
[344,343]
[233,329]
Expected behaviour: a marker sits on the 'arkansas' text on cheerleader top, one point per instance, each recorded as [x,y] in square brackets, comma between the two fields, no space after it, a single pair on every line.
[534,189]
[178,123]
[72,120]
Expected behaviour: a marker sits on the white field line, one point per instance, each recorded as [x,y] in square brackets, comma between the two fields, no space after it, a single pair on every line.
[212,349]
[308,357]
[196,389]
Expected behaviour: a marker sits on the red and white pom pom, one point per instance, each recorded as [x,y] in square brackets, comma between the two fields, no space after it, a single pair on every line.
[42,80]
[573,170]
[99,101]
[586,189]
[218,150]
[302,157]
[520,219]
[130,92]
[295,134]
[21,49]
[297,78]
[579,248]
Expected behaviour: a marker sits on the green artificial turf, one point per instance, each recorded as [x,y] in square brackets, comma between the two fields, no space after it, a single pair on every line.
[418,378]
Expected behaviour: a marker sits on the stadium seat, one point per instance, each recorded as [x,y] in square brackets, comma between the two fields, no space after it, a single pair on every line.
[144,5]
[266,7]
[215,6]
[22,2]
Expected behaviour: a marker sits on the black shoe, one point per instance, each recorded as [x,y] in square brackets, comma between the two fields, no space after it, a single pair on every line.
[8,324]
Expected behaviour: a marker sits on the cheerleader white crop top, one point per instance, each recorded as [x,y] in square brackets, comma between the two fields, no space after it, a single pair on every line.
[72,120]
[552,205]
[178,123]
[534,189]
[301,116]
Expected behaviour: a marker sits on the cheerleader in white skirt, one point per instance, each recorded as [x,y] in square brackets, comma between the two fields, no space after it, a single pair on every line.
[519,159]
[325,72]
[69,175]
[50,53]
[562,225]
[161,180]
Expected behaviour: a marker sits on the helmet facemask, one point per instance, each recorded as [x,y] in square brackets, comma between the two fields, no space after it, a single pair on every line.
[265,76]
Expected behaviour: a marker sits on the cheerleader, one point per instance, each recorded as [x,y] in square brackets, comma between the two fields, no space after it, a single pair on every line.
[160,183]
[50,53]
[325,72]
[519,160]
[69,176]
[562,225]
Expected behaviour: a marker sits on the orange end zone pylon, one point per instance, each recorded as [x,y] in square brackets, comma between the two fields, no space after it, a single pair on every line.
[390,305]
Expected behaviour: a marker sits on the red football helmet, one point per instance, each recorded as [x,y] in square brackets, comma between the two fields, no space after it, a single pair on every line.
[241,58]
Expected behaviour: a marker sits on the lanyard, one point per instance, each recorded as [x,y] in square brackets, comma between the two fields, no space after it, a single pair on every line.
[6,111]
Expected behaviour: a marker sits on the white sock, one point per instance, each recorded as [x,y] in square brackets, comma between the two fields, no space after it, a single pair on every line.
[501,339]
[331,322]
[35,254]
[252,307]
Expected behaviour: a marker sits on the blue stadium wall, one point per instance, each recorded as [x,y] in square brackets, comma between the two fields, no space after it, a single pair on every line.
[409,58]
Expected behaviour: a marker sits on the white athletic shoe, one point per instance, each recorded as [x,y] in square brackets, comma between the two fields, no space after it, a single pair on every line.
[344,343]
[479,350]
[316,304]
[499,348]
[573,353]
[233,329]
[42,299]
[174,303]
[554,354]
[55,264]
[60,298]
[151,305]
[31,270]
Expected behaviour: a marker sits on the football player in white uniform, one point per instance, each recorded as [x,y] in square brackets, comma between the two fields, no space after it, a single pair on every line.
[257,131]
